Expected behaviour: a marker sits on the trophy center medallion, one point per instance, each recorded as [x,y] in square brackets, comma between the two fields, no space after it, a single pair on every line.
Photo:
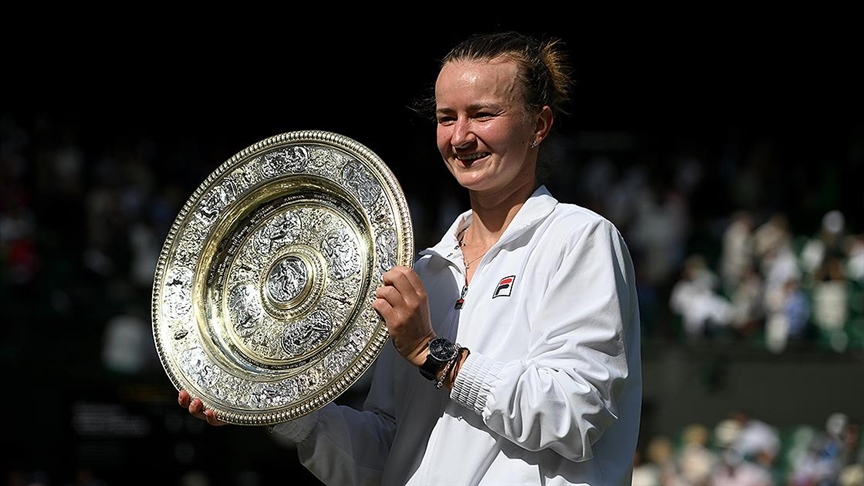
[287,282]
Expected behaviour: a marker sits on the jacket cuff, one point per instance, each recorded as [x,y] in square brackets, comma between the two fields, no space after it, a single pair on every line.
[473,383]
[296,430]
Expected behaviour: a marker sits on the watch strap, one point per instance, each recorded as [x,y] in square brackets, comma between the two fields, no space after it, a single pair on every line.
[429,369]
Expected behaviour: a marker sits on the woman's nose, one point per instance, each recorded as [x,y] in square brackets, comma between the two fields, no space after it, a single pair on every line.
[462,134]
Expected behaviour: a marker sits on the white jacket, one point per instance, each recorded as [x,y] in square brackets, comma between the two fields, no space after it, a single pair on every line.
[551,391]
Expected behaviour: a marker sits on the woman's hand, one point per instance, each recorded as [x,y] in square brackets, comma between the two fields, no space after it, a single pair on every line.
[402,302]
[196,408]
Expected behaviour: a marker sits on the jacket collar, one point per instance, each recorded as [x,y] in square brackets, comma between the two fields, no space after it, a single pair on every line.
[539,205]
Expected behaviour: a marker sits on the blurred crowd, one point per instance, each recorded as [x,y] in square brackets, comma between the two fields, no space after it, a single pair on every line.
[768,284]
[738,239]
[742,450]
[731,242]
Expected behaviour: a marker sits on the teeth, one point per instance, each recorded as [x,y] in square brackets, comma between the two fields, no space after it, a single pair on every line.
[470,157]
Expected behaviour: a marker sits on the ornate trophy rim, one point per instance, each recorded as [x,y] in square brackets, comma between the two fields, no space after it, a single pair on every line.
[262,294]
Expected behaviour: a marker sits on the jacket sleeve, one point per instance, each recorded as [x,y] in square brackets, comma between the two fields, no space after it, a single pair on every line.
[580,370]
[341,445]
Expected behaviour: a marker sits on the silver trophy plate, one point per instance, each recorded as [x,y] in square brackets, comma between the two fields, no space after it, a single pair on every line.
[262,296]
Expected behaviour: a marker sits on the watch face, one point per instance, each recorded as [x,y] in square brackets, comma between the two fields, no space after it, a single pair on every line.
[442,350]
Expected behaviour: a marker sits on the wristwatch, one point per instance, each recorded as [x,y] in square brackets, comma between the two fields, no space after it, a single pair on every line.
[441,350]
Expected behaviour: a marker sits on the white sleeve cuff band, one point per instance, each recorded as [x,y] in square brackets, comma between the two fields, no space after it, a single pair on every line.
[297,430]
[472,385]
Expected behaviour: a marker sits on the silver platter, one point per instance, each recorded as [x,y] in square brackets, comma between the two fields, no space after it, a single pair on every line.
[262,297]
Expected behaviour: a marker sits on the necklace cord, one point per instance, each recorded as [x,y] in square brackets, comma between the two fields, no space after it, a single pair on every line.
[462,245]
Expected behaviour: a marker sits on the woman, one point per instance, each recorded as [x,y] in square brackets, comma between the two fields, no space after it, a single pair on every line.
[544,386]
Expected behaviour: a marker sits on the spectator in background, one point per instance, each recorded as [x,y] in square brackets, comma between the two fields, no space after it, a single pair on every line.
[828,456]
[753,439]
[748,451]
[696,460]
[736,246]
[748,302]
[756,441]
[791,320]
[831,301]
[703,311]
[656,465]
[734,470]
[852,468]
[659,233]
[777,262]
[855,258]
[826,244]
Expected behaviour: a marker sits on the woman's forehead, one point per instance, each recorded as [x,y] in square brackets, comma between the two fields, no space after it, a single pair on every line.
[496,79]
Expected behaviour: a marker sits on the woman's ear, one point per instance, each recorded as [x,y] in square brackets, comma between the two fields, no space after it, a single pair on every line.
[544,124]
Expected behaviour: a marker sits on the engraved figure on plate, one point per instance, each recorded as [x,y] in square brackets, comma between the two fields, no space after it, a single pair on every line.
[288,160]
[282,228]
[245,309]
[287,280]
[358,178]
[303,336]
[341,249]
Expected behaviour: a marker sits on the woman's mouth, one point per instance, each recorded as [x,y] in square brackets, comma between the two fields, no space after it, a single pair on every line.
[469,159]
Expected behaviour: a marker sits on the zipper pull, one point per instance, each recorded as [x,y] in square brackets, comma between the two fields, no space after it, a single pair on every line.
[461,299]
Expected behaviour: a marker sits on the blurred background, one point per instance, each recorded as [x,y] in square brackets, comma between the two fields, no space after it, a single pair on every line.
[729,151]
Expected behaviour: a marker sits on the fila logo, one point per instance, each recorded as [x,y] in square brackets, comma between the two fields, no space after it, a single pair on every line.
[505,287]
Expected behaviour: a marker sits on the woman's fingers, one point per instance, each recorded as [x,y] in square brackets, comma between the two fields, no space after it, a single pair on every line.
[210,417]
[196,408]
[401,301]
[403,291]
[406,281]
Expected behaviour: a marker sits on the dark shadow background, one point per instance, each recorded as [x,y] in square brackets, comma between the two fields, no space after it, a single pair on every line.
[147,104]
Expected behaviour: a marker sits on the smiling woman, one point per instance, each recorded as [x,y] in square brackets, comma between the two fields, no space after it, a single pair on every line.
[548,360]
